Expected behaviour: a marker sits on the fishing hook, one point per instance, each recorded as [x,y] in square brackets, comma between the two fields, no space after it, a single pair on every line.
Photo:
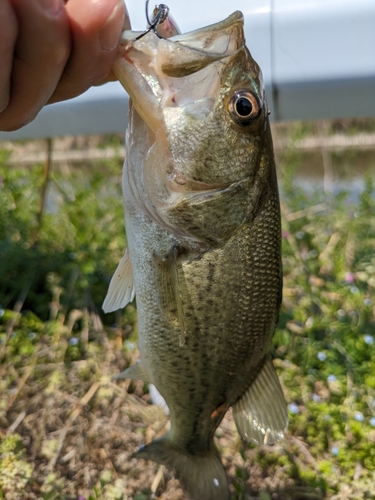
[160,14]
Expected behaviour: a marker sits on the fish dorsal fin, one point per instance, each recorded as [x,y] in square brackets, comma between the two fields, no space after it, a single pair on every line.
[121,288]
[261,414]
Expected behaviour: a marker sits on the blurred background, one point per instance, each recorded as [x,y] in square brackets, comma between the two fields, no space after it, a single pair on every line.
[66,430]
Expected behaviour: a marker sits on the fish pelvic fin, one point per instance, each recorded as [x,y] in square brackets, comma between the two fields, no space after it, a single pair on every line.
[134,372]
[202,476]
[121,288]
[261,414]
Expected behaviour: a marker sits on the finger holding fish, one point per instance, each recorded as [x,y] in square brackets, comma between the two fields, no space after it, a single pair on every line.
[95,30]
[52,50]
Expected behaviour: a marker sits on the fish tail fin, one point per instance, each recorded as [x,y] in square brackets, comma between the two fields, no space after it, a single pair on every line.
[202,476]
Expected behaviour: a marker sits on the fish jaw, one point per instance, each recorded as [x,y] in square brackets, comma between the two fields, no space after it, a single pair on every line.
[181,88]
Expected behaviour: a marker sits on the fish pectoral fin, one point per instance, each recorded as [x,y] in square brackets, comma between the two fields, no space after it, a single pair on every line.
[261,413]
[135,372]
[121,288]
[178,297]
[201,476]
[170,284]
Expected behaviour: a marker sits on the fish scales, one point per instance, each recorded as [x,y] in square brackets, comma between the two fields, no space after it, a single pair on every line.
[202,219]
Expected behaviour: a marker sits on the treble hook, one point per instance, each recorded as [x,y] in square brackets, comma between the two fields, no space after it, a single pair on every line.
[160,14]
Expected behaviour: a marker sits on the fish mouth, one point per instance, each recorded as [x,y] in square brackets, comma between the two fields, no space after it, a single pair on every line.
[205,45]
[154,70]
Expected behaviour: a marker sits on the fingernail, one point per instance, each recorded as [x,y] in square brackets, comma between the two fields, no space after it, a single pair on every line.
[110,33]
[53,7]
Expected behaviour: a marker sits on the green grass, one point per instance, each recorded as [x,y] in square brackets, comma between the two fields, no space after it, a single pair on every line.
[55,345]
[72,251]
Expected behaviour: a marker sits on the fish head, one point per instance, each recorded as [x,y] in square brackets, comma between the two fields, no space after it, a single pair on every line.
[201,97]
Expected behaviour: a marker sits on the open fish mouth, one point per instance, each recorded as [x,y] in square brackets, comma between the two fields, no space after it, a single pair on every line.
[153,70]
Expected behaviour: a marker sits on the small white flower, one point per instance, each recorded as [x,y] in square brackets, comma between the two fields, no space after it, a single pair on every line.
[369,339]
[322,356]
[293,408]
[359,416]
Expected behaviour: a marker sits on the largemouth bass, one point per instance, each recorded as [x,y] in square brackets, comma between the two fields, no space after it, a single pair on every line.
[202,221]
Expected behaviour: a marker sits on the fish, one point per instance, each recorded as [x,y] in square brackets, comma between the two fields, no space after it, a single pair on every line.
[202,219]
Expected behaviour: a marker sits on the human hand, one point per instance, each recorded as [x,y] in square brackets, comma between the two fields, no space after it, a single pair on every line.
[52,50]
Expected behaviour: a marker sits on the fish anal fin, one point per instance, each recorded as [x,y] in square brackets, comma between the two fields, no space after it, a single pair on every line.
[157,399]
[135,372]
[201,476]
[261,414]
[121,288]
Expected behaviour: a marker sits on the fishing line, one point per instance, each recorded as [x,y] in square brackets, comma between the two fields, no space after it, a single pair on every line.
[160,14]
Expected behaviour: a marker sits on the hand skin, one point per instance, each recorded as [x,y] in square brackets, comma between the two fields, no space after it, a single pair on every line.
[52,50]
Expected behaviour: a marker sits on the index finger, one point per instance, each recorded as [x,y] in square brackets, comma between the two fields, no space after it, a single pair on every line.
[96,27]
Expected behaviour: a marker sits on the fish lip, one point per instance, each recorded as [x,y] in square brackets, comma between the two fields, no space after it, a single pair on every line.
[129,36]
[220,26]
[198,40]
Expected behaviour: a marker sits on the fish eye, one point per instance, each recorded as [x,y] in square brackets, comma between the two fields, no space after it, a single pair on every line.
[244,107]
